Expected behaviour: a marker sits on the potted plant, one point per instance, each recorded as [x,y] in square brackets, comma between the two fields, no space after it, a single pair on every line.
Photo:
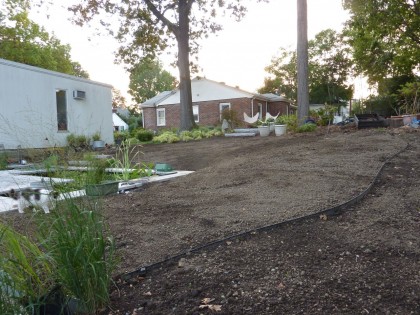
[263,128]
[270,122]
[280,126]
[97,143]
[119,137]
[96,183]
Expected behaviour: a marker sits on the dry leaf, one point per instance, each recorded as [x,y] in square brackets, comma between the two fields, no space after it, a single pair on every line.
[281,285]
[323,217]
[211,307]
[207,300]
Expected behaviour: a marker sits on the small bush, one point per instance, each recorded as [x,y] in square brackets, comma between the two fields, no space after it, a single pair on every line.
[307,128]
[144,135]
[166,137]
[186,136]
[289,120]
[78,142]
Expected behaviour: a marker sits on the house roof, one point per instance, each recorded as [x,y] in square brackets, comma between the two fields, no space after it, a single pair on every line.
[117,121]
[204,90]
[13,64]
[158,99]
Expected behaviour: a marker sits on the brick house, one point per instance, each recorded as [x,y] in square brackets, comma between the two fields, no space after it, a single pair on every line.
[210,98]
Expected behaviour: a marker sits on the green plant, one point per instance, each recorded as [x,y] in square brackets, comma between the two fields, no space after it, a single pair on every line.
[96,136]
[96,170]
[281,120]
[231,117]
[126,154]
[120,135]
[186,136]
[3,161]
[77,239]
[26,273]
[144,135]
[51,164]
[306,128]
[78,142]
[166,137]
[290,120]
[262,123]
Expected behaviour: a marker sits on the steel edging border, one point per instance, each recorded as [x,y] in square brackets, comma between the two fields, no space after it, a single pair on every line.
[333,211]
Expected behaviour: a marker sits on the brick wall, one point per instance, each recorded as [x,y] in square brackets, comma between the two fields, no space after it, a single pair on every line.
[278,107]
[209,112]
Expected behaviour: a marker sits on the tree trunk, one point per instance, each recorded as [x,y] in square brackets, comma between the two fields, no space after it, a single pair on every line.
[302,61]
[186,112]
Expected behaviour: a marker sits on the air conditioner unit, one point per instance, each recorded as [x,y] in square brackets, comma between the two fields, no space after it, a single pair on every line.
[79,95]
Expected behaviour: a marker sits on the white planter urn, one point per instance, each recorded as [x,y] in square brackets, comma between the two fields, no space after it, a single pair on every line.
[280,129]
[264,131]
[98,144]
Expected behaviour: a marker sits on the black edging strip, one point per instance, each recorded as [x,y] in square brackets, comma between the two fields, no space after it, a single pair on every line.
[333,211]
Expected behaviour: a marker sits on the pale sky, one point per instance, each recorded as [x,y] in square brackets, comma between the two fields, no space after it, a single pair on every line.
[237,55]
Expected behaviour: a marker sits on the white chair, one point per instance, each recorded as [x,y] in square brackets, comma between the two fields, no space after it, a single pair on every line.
[251,120]
[268,116]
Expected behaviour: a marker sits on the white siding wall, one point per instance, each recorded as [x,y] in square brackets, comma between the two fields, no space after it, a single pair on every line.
[28,111]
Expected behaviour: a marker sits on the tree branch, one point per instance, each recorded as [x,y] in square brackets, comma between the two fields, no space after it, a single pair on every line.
[172,27]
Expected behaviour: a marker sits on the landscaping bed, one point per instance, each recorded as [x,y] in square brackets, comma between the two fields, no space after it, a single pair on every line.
[364,261]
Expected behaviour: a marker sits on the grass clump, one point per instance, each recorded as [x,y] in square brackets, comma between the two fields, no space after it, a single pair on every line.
[76,238]
[26,273]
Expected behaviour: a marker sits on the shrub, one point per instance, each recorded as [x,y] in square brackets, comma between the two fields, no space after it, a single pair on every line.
[166,137]
[144,135]
[290,121]
[186,136]
[78,142]
[231,117]
[307,128]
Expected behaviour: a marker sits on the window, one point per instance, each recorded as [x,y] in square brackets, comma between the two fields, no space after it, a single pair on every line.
[223,107]
[160,115]
[195,113]
[61,100]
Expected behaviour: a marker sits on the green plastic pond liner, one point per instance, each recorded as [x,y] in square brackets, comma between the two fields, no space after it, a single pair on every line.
[163,167]
[105,188]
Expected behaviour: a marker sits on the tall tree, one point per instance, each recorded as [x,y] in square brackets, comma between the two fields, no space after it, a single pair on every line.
[149,26]
[24,41]
[302,61]
[118,101]
[148,78]
[330,67]
[283,80]
[385,36]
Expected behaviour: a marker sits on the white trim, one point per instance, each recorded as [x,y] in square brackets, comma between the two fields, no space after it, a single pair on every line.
[198,113]
[160,110]
[221,105]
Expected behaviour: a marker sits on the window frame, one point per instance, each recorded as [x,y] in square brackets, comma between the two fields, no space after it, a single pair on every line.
[221,105]
[198,113]
[160,110]
[62,124]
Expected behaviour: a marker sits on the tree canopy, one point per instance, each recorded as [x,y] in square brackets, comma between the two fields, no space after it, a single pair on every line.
[24,41]
[151,26]
[330,67]
[148,78]
[385,37]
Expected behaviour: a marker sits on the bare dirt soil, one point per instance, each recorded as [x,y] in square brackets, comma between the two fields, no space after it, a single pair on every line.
[364,261]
